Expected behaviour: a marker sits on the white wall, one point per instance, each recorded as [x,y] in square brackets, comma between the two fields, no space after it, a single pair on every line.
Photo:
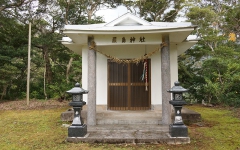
[174,63]
[101,75]
[156,83]
[85,70]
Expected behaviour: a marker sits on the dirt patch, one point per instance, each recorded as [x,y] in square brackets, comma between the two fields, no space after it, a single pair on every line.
[33,104]
[235,112]
[202,124]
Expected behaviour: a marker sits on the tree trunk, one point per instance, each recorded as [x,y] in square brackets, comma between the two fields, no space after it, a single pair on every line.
[49,73]
[4,91]
[47,70]
[44,83]
[68,69]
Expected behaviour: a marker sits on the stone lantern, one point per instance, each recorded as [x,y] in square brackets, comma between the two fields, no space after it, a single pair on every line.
[178,129]
[78,128]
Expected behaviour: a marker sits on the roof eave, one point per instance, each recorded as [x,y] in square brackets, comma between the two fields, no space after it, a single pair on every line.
[92,32]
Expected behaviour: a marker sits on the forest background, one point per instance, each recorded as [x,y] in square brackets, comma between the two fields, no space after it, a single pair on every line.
[210,69]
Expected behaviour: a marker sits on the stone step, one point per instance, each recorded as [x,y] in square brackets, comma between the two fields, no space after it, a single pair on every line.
[120,117]
[129,117]
[129,128]
[129,114]
[127,121]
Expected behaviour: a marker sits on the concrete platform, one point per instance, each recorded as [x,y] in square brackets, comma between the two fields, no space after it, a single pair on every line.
[133,117]
[120,117]
[129,134]
[129,117]
[129,127]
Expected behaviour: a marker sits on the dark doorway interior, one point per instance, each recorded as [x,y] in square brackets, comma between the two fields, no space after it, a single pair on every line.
[126,88]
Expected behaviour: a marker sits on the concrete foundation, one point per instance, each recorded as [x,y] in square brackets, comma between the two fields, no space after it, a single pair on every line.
[130,127]
[129,134]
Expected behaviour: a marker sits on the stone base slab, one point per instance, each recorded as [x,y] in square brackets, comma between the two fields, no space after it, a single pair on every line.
[67,115]
[153,134]
[190,116]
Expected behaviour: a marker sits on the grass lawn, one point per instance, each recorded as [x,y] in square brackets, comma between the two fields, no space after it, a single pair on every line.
[38,126]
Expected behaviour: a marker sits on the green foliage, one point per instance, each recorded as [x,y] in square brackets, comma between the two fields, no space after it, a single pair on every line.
[214,79]
[13,52]
[224,76]
[211,69]
[49,58]
[156,10]
[232,21]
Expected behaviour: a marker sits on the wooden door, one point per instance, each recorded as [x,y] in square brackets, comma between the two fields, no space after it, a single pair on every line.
[126,90]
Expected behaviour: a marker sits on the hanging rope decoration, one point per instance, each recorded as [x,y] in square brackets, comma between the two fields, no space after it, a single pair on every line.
[145,74]
[126,61]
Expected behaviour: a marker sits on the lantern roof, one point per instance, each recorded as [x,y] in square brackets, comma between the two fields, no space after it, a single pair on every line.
[77,90]
[177,88]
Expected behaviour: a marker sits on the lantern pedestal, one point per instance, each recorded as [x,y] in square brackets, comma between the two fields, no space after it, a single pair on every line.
[178,130]
[77,131]
[78,128]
